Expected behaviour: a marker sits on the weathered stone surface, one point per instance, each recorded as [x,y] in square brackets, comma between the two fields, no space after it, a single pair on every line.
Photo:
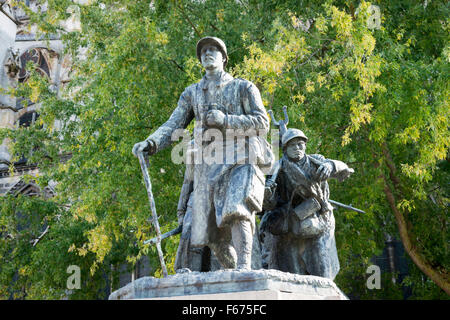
[7,36]
[269,284]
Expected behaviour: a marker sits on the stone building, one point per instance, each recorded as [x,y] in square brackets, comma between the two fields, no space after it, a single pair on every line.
[18,45]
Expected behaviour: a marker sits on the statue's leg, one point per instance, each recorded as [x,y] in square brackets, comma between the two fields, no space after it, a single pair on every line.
[196,257]
[268,250]
[220,245]
[239,198]
[242,235]
[256,251]
[214,263]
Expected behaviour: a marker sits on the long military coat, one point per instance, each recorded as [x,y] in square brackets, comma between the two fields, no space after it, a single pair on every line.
[233,188]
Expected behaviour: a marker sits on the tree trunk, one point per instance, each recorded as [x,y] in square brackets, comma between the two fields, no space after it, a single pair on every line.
[441,280]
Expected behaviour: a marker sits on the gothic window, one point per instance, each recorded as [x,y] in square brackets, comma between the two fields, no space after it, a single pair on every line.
[44,61]
[28,119]
[40,57]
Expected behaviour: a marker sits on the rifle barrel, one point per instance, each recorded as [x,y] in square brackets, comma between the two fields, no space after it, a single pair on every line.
[165,235]
[345,206]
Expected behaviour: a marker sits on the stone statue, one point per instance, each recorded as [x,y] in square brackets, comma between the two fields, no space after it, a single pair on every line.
[188,257]
[297,228]
[226,193]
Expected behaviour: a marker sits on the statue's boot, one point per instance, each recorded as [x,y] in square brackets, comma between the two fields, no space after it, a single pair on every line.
[242,236]
[225,253]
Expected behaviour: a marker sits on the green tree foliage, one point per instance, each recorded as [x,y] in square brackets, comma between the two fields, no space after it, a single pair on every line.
[376,98]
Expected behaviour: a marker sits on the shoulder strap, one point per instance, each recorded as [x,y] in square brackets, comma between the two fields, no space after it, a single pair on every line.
[243,86]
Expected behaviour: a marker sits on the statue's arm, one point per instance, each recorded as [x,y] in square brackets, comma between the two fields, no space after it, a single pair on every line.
[255,116]
[340,170]
[180,118]
[270,198]
[272,189]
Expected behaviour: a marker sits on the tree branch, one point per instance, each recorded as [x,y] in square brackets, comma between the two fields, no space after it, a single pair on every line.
[4,107]
[189,21]
[176,64]
[35,241]
[392,169]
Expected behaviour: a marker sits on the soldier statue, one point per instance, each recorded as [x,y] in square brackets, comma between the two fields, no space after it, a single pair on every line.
[298,223]
[226,194]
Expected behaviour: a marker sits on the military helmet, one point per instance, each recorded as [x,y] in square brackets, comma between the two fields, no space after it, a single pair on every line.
[214,41]
[291,134]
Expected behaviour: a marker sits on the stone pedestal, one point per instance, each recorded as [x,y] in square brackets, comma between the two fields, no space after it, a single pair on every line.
[231,285]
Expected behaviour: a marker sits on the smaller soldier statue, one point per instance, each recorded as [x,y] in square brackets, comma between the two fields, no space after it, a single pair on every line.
[297,228]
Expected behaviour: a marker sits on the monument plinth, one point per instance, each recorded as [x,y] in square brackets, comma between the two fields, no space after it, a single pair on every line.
[231,285]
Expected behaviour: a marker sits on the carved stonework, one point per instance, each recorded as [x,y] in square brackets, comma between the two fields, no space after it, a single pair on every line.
[31,189]
[41,57]
[12,64]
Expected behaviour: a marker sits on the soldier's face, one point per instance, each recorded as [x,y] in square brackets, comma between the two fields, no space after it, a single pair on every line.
[295,149]
[212,57]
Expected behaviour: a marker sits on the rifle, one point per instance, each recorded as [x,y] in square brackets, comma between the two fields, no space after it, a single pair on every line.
[148,186]
[281,124]
[346,206]
[166,235]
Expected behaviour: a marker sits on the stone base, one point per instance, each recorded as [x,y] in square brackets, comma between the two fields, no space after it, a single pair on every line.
[231,285]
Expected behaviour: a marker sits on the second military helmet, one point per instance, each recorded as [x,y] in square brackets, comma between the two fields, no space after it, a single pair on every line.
[291,134]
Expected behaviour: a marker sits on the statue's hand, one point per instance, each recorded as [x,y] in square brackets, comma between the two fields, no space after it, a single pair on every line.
[144,146]
[215,118]
[268,193]
[271,185]
[347,172]
[325,170]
